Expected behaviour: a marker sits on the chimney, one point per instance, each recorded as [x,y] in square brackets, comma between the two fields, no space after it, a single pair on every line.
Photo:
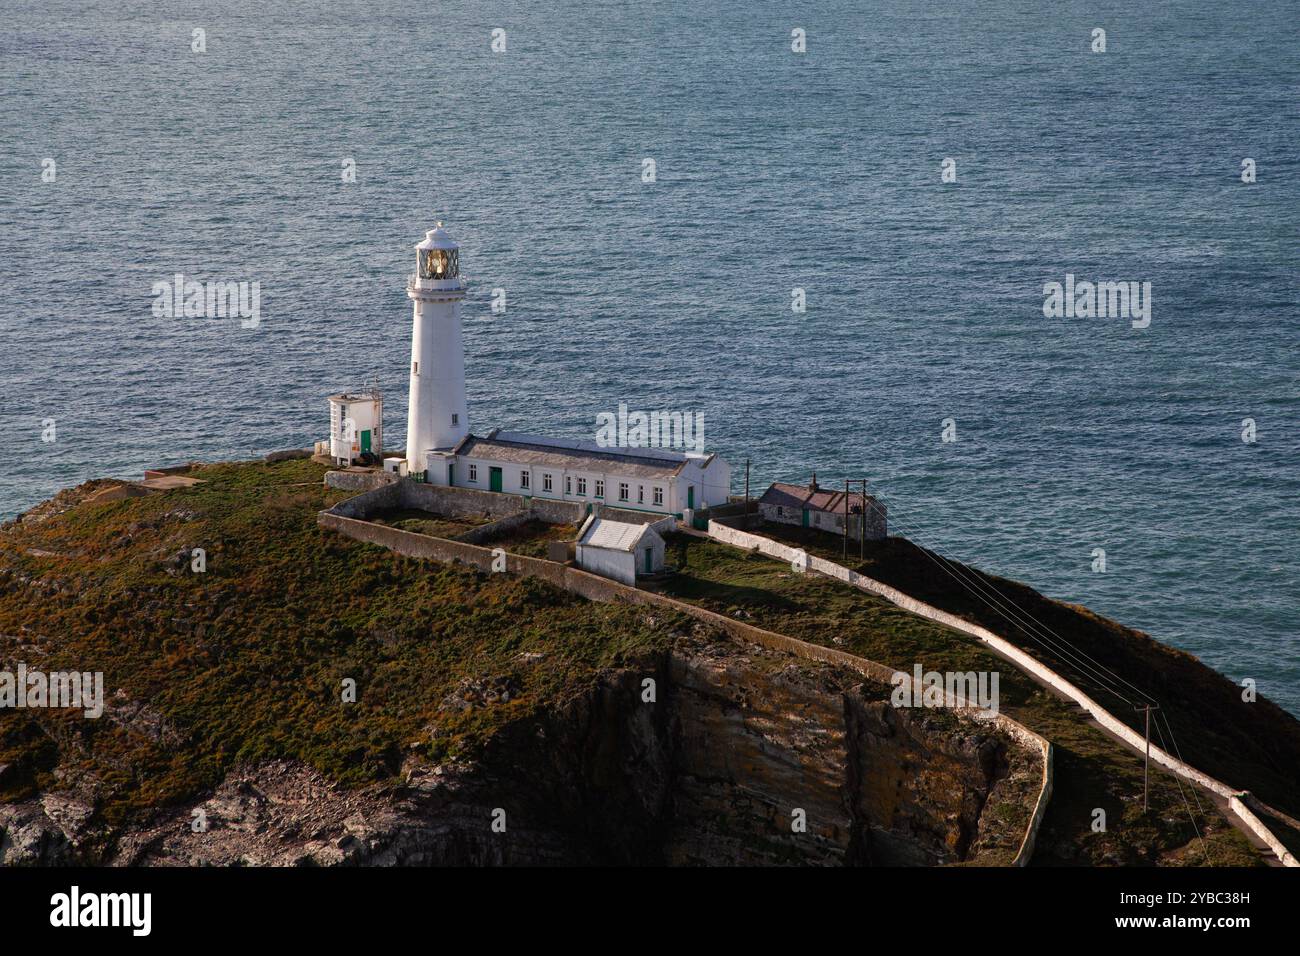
[812,486]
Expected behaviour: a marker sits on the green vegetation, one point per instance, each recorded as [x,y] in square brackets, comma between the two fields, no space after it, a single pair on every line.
[245,661]
[1092,770]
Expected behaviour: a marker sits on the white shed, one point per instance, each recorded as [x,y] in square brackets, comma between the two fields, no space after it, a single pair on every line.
[356,425]
[619,550]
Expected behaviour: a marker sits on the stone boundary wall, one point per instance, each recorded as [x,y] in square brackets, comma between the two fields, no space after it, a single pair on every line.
[359,480]
[1238,803]
[387,495]
[596,588]
[1035,668]
[484,531]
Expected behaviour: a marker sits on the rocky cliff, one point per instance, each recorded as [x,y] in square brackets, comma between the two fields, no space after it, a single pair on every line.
[735,748]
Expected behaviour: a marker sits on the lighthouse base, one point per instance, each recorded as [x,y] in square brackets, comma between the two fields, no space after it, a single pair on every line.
[439,467]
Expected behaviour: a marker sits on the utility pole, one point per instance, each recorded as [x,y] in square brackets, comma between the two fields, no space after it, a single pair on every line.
[846,519]
[1146,762]
[862,518]
[862,525]
[746,492]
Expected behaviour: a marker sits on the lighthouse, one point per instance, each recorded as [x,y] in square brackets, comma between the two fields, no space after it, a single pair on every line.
[437,419]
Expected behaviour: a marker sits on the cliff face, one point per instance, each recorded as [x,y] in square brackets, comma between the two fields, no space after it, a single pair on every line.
[737,745]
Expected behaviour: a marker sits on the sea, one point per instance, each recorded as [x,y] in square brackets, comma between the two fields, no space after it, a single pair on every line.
[826,228]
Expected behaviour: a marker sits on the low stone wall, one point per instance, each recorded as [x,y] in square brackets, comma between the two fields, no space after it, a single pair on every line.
[359,480]
[1030,665]
[1044,797]
[596,588]
[1238,803]
[456,502]
[378,498]
[480,534]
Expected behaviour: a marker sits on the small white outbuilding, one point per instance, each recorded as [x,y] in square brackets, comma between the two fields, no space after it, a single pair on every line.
[356,425]
[619,550]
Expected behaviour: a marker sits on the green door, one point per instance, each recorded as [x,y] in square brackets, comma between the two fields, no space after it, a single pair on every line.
[649,560]
[494,479]
[690,497]
[805,517]
[365,441]
[451,474]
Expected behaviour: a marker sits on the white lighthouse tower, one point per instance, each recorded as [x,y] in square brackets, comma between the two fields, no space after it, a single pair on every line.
[438,418]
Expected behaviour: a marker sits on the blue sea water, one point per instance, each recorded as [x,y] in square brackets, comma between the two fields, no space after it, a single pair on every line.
[773,171]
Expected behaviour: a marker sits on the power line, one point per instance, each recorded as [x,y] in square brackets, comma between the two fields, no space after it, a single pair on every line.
[1096,671]
[1041,634]
[947,566]
[1205,850]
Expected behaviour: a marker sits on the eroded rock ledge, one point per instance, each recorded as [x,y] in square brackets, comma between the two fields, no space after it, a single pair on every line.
[713,772]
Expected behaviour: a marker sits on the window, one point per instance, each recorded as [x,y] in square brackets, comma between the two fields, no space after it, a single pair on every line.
[780,512]
[622,491]
[600,488]
[415,368]
[568,484]
[455,419]
[582,487]
[640,494]
[473,472]
[439,263]
[659,495]
[524,479]
[546,482]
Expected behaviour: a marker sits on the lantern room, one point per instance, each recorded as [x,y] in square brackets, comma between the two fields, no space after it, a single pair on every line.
[437,258]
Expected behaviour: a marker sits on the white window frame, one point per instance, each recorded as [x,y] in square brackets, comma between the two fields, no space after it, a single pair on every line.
[622,491]
[659,496]
[582,487]
[473,472]
[600,488]
[547,484]
[525,480]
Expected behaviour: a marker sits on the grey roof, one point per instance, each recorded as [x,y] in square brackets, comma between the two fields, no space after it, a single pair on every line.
[819,499]
[613,535]
[523,449]
[355,397]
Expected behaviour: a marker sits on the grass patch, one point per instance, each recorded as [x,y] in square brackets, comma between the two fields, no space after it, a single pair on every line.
[246,660]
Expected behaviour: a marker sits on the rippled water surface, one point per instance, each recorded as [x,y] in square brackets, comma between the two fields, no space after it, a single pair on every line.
[774,171]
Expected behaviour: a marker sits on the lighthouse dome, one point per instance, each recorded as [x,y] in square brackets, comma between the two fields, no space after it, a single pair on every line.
[437,238]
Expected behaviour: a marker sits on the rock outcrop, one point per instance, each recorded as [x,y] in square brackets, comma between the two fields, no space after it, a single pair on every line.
[710,754]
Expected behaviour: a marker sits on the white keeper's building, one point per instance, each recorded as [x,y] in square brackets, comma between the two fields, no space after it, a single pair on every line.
[441,450]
